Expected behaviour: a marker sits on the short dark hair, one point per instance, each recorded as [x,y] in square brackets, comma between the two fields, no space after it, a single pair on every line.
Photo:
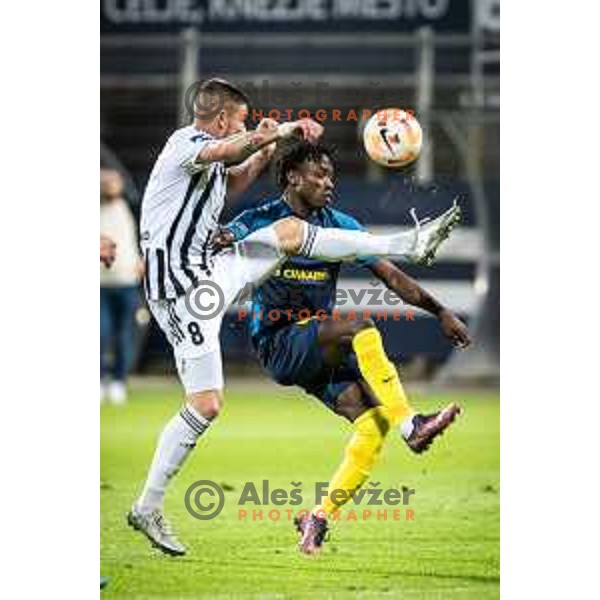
[224,89]
[292,154]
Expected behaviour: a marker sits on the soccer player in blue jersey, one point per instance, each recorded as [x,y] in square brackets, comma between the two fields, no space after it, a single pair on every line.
[341,362]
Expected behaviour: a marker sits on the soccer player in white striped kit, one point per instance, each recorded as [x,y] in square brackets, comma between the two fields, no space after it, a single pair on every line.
[200,168]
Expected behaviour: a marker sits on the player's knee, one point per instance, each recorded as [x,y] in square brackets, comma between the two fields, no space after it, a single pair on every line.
[366,324]
[208,404]
[349,404]
[358,326]
[290,233]
[331,330]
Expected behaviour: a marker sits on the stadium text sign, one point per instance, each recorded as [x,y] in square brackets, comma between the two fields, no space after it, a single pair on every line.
[285,15]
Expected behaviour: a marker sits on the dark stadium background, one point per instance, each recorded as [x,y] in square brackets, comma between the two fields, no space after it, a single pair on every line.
[437,57]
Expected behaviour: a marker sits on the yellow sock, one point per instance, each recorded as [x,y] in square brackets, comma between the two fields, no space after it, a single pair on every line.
[360,454]
[380,373]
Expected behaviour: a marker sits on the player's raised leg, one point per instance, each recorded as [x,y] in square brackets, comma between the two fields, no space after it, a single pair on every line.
[293,236]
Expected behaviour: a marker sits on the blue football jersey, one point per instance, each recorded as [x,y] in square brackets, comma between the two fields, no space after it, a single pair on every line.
[299,284]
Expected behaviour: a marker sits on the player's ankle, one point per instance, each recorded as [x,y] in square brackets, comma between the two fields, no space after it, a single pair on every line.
[407,426]
[148,503]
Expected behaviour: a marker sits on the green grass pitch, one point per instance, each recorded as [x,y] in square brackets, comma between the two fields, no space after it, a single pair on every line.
[450,550]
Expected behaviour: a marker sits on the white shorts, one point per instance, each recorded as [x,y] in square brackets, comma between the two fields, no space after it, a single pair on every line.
[192,322]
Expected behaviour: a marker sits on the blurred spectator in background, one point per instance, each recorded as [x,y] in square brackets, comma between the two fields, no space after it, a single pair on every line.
[118,288]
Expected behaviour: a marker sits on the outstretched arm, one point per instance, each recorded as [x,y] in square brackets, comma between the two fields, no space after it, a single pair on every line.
[412,293]
[236,148]
[241,176]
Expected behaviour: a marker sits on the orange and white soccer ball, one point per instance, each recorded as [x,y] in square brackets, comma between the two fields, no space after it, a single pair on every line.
[393,138]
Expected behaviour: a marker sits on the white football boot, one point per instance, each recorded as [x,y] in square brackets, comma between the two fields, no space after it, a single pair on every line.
[431,233]
[154,526]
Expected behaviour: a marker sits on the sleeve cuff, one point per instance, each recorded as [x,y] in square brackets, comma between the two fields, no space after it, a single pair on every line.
[239,230]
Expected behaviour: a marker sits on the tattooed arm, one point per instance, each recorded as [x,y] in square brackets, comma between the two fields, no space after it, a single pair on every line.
[239,147]
[242,174]
[240,177]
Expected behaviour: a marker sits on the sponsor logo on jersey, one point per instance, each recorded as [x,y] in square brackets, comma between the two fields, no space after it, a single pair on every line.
[303,275]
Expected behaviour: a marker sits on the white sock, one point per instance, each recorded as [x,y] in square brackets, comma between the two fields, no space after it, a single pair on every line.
[176,441]
[332,244]
[407,427]
[346,245]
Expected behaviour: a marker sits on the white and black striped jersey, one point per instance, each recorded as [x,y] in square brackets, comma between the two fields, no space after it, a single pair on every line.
[180,212]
